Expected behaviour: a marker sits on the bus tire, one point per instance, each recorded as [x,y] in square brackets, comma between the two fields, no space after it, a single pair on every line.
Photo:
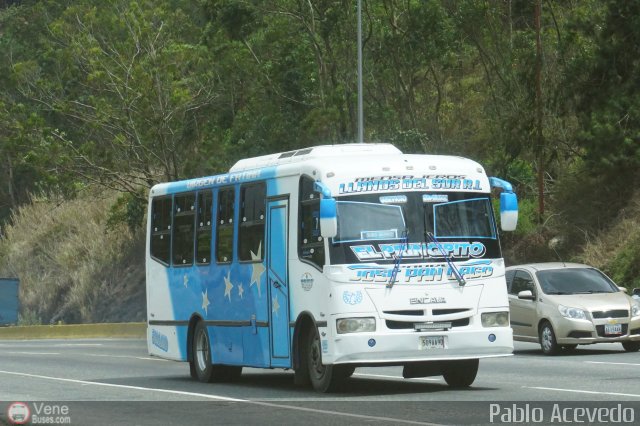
[201,367]
[631,346]
[301,371]
[460,374]
[324,378]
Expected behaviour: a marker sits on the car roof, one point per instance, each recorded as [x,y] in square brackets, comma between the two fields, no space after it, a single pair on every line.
[549,265]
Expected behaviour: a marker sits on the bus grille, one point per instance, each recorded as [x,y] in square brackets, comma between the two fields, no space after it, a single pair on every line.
[405,325]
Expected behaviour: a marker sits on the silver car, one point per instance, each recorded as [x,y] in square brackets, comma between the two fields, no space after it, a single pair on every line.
[562,305]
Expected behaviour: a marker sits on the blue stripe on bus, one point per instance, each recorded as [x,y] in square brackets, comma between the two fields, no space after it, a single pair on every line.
[231,292]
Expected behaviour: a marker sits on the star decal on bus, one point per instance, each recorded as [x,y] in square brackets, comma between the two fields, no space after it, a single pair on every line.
[240,291]
[276,305]
[185,280]
[228,286]
[205,302]
[258,268]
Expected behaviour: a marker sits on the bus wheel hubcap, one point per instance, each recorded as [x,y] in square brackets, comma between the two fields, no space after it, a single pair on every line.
[202,351]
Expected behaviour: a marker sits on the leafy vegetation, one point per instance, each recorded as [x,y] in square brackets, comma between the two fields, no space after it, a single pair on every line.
[120,95]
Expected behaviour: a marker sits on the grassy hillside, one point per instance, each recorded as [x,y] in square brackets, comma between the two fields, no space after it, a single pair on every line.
[71,269]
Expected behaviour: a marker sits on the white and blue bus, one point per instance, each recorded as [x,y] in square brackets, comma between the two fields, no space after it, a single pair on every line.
[328,258]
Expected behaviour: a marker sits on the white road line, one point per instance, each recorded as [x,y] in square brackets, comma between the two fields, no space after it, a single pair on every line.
[77,344]
[144,358]
[85,382]
[222,398]
[32,353]
[611,363]
[583,391]
[394,377]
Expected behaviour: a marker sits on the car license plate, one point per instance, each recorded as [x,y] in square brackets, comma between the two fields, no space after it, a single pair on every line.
[613,329]
[432,342]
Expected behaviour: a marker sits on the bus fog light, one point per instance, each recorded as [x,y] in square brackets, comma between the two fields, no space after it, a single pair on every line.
[355,325]
[495,319]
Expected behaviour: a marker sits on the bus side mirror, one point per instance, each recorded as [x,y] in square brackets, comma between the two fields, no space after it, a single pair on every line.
[508,211]
[508,204]
[328,218]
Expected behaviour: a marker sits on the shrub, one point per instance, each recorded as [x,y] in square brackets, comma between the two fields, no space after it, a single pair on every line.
[70,269]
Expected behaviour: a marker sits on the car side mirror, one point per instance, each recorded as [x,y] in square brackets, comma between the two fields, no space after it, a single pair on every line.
[623,289]
[636,291]
[526,295]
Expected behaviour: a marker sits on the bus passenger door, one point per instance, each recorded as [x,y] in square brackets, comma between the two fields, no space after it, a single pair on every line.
[278,283]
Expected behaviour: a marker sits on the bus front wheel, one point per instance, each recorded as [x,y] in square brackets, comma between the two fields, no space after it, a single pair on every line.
[200,365]
[324,378]
[460,374]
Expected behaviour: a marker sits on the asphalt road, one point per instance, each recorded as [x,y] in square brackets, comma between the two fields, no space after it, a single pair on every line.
[115,382]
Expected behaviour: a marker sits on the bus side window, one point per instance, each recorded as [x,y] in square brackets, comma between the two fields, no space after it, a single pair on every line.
[252,219]
[161,229]
[310,243]
[203,227]
[224,226]
[184,210]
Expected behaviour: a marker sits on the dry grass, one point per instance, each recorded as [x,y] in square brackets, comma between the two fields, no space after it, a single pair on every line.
[617,250]
[70,269]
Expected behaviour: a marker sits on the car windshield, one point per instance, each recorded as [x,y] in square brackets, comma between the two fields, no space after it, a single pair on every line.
[575,281]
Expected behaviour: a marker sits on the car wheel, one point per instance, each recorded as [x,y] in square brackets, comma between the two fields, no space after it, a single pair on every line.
[631,346]
[460,374]
[324,378]
[548,341]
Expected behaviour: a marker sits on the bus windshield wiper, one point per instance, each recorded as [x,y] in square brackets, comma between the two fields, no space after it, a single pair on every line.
[396,264]
[454,269]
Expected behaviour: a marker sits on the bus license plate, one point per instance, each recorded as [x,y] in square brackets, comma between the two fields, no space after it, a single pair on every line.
[613,329]
[432,342]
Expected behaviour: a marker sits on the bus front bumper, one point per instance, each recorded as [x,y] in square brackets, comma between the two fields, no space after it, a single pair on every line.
[398,348]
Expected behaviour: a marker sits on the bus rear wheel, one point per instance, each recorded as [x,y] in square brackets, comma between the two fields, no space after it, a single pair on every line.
[631,346]
[200,365]
[460,374]
[324,378]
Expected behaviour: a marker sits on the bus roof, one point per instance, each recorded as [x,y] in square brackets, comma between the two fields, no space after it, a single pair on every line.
[316,152]
[338,164]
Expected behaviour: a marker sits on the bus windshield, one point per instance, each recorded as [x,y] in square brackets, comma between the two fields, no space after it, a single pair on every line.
[368,221]
[463,219]
[371,227]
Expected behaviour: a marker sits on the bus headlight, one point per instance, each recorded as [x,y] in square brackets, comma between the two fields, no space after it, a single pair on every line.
[495,319]
[355,325]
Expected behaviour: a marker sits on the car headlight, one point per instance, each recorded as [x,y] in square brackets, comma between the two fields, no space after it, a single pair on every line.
[572,313]
[635,309]
[355,325]
[495,319]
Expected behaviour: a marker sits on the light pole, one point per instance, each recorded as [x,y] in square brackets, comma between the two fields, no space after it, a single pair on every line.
[360,113]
